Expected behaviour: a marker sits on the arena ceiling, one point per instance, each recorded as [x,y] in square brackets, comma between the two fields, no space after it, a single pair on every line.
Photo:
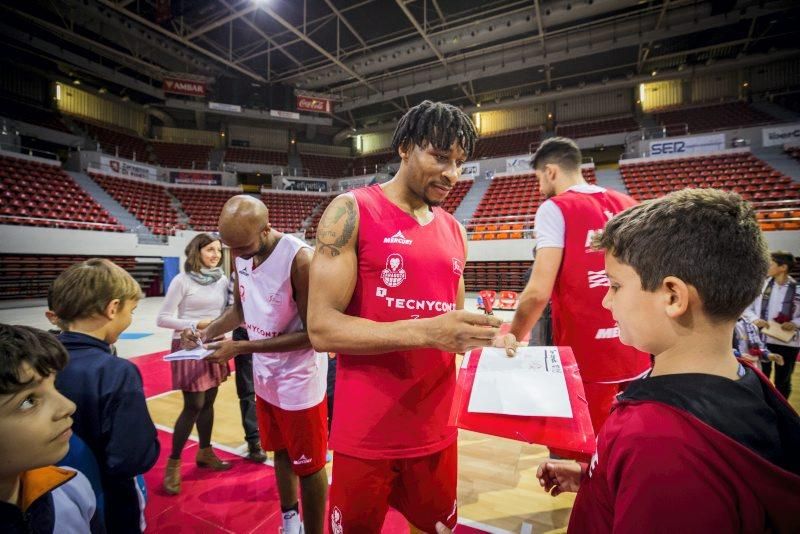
[377,57]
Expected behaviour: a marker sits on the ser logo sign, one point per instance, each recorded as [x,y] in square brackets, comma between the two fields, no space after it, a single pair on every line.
[673,147]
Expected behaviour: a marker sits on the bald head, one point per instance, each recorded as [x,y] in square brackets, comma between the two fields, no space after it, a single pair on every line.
[241,223]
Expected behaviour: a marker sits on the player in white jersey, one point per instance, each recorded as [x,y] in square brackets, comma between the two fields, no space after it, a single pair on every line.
[289,376]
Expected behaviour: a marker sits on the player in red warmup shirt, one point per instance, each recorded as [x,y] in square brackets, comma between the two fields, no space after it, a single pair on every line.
[568,271]
[386,294]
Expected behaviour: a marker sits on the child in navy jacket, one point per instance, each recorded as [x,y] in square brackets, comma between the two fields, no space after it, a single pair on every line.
[94,301]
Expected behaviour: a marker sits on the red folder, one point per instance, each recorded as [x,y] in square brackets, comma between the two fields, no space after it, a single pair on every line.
[572,438]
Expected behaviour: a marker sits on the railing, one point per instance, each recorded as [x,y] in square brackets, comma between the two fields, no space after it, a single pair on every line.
[61,221]
[29,151]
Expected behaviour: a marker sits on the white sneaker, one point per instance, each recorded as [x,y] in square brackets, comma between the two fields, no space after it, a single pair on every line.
[291,523]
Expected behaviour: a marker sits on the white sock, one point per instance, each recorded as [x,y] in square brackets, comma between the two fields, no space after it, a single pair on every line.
[291,522]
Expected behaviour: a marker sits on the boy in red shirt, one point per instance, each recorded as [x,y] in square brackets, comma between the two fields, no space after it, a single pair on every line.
[704,443]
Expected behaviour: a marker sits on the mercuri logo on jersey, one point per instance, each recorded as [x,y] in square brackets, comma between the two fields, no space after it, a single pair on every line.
[397,239]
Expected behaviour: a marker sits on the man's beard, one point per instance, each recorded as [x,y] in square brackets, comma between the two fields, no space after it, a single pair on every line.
[262,249]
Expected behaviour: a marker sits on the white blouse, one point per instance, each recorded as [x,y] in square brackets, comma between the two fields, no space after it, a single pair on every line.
[192,302]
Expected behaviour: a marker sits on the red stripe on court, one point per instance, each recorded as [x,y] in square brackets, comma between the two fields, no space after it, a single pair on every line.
[156,373]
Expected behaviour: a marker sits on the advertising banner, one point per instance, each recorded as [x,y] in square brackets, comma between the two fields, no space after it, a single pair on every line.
[471,169]
[687,145]
[127,168]
[184,87]
[522,164]
[319,105]
[781,135]
[195,178]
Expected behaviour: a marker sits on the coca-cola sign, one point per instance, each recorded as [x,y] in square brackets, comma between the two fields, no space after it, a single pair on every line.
[184,87]
[320,105]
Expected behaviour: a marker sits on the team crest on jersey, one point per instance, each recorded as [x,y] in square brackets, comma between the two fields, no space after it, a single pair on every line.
[336,521]
[241,293]
[394,274]
[458,268]
[397,239]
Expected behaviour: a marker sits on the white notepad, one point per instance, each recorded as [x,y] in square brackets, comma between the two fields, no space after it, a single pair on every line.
[192,354]
[531,383]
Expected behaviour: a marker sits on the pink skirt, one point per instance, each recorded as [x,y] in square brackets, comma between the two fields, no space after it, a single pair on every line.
[196,375]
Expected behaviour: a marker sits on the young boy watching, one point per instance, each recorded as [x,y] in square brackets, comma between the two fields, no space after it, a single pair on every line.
[35,427]
[704,443]
[94,302]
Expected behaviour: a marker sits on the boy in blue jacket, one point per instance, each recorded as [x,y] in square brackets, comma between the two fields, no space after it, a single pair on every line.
[94,301]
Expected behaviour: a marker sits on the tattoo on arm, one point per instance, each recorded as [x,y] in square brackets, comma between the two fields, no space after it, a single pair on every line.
[336,227]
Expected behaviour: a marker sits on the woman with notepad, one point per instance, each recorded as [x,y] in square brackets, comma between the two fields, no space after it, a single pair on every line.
[193,299]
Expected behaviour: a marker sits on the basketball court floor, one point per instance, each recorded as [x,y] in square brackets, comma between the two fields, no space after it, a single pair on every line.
[497,488]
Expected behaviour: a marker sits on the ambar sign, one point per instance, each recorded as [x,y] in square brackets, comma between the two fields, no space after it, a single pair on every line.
[184,87]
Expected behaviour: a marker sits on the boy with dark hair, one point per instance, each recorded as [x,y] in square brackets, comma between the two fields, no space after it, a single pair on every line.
[94,302]
[704,443]
[779,301]
[35,427]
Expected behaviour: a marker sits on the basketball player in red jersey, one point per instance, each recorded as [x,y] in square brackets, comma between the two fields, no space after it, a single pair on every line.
[572,274]
[386,294]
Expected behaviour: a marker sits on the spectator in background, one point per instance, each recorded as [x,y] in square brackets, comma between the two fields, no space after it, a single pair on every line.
[94,301]
[779,301]
[197,295]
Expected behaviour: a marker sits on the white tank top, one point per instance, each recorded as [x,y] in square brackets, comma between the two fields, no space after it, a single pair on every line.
[293,380]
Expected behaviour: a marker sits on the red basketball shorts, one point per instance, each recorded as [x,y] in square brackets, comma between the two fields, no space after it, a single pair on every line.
[423,489]
[303,433]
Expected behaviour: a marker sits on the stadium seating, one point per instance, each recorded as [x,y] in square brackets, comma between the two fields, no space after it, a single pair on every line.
[712,117]
[502,275]
[456,195]
[508,207]
[256,156]
[507,144]
[30,275]
[38,194]
[288,211]
[311,231]
[774,195]
[148,202]
[325,166]
[371,163]
[127,143]
[203,205]
[182,155]
[575,130]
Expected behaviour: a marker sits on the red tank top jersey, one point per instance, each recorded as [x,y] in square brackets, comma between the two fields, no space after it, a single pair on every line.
[396,405]
[579,319]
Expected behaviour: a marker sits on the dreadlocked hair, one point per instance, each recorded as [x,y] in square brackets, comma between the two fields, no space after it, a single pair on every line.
[436,123]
